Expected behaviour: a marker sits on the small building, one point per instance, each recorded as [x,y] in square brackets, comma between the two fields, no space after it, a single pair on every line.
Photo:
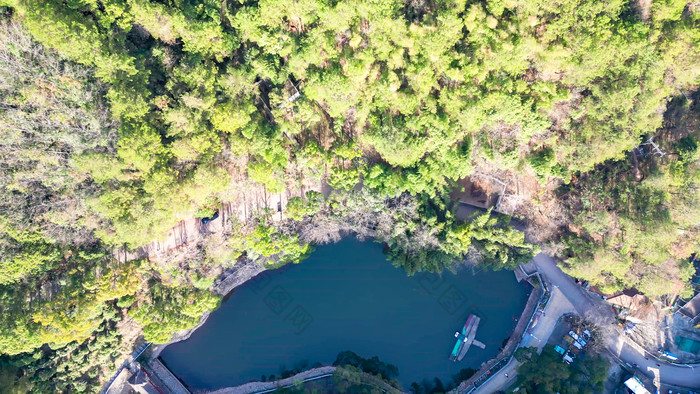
[691,309]
[636,386]
[474,192]
[636,309]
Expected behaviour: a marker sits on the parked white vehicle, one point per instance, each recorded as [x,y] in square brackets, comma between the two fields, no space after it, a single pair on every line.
[587,335]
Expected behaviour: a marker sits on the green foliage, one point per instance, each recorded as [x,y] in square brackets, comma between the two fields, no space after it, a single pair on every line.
[50,112]
[431,176]
[638,233]
[488,240]
[545,166]
[297,208]
[76,367]
[267,243]
[524,354]
[77,308]
[28,255]
[430,260]
[370,365]
[350,379]
[407,87]
[498,245]
[122,118]
[546,372]
[126,301]
[172,309]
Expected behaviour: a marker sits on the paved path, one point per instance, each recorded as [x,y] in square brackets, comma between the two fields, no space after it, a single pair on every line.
[264,387]
[600,312]
[568,297]
[557,306]
[502,379]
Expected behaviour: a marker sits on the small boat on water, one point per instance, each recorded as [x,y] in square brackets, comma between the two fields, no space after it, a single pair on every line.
[465,338]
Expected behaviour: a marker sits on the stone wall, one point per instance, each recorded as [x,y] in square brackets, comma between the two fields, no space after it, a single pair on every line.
[510,347]
[262,387]
[164,379]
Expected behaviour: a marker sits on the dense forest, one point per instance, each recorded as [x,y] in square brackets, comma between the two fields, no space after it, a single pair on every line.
[546,373]
[120,118]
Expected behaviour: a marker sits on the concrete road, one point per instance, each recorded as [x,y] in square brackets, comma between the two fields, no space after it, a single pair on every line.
[557,306]
[502,379]
[616,342]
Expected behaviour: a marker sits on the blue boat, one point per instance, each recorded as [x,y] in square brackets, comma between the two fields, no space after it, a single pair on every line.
[466,338]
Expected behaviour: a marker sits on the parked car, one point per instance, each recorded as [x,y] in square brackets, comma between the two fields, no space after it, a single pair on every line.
[587,335]
[559,349]
[670,356]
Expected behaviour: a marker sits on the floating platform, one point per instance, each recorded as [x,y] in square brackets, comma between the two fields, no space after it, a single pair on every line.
[466,338]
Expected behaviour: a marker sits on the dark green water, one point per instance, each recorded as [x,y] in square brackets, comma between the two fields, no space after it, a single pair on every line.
[346,296]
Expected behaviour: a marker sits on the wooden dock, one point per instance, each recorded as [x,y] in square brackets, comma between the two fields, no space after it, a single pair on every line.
[466,338]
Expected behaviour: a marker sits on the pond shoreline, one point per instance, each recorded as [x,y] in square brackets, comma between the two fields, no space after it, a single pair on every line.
[225,284]
[241,273]
[513,341]
[303,377]
[258,387]
[247,270]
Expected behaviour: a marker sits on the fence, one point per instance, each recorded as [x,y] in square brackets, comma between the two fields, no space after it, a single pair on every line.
[506,355]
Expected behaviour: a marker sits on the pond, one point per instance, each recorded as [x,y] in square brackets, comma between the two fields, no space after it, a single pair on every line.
[347,296]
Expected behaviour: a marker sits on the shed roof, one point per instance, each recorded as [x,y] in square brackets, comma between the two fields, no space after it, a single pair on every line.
[692,308]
